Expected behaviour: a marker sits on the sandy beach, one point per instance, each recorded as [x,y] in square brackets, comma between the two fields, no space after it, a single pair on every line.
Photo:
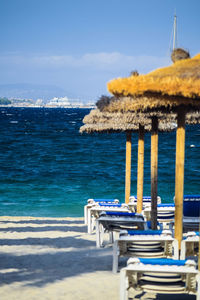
[55,258]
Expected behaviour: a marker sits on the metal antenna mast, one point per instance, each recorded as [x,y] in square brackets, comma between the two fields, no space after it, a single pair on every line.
[175,33]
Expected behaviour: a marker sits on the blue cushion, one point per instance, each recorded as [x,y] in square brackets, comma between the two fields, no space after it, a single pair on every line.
[104,200]
[149,224]
[110,204]
[144,232]
[144,197]
[162,261]
[115,213]
[191,208]
[166,205]
[191,197]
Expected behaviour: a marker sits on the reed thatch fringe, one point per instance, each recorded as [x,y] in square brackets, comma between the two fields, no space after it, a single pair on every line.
[180,79]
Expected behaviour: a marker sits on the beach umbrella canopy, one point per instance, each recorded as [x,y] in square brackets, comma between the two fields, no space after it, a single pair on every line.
[167,88]
[170,89]
[98,121]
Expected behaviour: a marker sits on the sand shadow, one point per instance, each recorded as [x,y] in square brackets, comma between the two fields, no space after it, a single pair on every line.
[45,228]
[46,221]
[60,242]
[41,269]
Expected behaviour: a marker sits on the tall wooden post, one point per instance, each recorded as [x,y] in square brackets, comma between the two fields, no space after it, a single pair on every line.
[140,169]
[179,177]
[128,167]
[154,172]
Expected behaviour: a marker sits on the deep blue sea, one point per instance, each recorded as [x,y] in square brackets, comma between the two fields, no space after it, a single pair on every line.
[49,169]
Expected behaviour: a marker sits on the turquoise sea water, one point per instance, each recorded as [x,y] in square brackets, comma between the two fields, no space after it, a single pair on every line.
[48,169]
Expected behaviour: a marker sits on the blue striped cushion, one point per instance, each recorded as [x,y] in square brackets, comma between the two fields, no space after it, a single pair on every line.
[104,200]
[125,214]
[166,205]
[162,261]
[144,232]
[110,204]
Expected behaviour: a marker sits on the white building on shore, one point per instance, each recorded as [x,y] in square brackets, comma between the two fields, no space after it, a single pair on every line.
[68,103]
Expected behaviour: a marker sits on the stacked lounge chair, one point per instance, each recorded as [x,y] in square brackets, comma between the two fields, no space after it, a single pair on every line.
[146,202]
[91,202]
[167,275]
[144,243]
[110,221]
[191,213]
[190,245]
[158,276]
[165,213]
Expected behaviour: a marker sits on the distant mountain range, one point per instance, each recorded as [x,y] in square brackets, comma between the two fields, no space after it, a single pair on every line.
[32,91]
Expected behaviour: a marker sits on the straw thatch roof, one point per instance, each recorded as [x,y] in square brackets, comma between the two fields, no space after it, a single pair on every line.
[168,87]
[97,121]
[125,105]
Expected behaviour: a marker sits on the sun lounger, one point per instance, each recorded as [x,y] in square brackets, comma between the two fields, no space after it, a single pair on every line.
[144,243]
[158,276]
[191,213]
[190,245]
[146,202]
[92,202]
[95,211]
[115,221]
[165,213]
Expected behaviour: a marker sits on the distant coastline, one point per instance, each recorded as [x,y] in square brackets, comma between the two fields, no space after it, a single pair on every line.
[48,106]
[62,102]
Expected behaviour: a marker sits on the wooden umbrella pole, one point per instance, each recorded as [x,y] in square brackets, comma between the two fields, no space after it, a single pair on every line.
[154,172]
[140,169]
[179,177]
[128,167]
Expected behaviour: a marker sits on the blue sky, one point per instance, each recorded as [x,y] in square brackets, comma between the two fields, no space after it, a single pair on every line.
[79,45]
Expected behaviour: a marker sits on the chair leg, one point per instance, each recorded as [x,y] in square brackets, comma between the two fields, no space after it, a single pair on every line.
[85,215]
[115,257]
[102,231]
[98,237]
[111,237]
[198,287]
[176,250]
[123,285]
[183,250]
[89,222]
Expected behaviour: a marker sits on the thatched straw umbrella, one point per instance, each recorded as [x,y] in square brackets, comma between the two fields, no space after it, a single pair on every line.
[175,88]
[98,121]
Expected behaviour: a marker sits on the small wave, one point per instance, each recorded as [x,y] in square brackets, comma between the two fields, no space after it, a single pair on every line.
[9,114]
[43,200]
[13,122]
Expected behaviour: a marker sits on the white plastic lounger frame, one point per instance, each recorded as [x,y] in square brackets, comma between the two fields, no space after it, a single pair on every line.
[92,202]
[146,202]
[158,276]
[149,243]
[114,222]
[95,210]
[190,245]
